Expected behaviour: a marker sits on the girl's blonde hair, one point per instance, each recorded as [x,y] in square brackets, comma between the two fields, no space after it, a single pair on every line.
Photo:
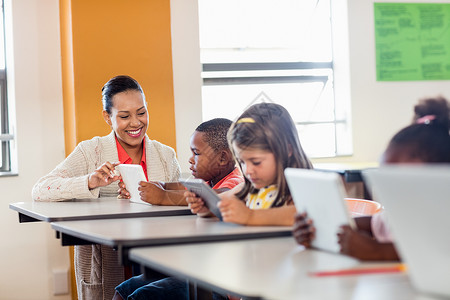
[269,127]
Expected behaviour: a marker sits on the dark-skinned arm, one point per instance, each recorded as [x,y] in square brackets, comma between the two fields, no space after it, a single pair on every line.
[154,193]
[361,245]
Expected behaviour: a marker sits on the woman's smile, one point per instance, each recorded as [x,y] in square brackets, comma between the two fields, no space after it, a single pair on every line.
[134,133]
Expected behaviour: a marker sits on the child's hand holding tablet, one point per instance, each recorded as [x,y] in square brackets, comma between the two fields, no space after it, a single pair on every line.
[131,176]
[209,196]
[321,195]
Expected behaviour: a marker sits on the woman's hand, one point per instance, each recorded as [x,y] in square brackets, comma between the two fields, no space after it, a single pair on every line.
[103,175]
[123,192]
[196,204]
[234,210]
[303,230]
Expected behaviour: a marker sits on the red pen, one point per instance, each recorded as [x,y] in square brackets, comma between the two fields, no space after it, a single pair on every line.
[358,271]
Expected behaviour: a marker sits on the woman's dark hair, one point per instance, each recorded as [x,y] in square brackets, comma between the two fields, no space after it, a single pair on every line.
[117,85]
[427,139]
[269,127]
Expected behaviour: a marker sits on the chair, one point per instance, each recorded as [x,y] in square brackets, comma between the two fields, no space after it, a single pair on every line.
[362,207]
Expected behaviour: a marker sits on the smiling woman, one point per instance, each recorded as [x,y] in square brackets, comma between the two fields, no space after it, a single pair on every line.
[88,172]
[125,110]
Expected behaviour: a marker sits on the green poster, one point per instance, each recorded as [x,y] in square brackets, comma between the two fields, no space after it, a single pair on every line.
[412,41]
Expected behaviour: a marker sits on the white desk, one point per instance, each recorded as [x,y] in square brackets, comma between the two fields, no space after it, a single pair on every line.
[124,234]
[272,268]
[89,209]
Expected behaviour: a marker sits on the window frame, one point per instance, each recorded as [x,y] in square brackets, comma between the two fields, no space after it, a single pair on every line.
[6,135]
[209,79]
[217,73]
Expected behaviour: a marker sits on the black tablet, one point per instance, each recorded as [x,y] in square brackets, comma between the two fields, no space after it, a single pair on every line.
[204,191]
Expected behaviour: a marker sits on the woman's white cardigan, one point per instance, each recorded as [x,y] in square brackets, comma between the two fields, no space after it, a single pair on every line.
[97,268]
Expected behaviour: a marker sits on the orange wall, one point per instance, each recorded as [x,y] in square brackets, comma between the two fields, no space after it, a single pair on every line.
[67,76]
[114,37]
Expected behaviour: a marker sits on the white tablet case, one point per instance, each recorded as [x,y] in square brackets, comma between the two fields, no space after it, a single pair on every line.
[416,201]
[131,176]
[321,195]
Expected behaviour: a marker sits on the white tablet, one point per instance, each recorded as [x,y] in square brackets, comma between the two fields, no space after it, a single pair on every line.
[204,191]
[416,202]
[321,195]
[131,176]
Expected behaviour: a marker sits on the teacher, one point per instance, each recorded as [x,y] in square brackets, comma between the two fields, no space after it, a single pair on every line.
[88,172]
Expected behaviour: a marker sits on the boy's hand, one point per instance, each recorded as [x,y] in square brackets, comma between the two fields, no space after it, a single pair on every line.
[152,192]
[303,230]
[196,204]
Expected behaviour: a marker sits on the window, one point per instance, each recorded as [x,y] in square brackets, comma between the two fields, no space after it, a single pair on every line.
[279,51]
[6,137]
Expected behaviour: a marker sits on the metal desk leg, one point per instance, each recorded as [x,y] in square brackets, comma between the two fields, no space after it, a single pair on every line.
[198,293]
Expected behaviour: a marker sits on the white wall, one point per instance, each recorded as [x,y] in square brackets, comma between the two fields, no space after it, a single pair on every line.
[187,81]
[379,109]
[30,251]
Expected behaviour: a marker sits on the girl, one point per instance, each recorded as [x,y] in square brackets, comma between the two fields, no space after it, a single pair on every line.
[88,172]
[427,140]
[264,142]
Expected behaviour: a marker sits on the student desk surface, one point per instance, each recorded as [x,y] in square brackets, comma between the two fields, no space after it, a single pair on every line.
[124,234]
[272,268]
[89,209]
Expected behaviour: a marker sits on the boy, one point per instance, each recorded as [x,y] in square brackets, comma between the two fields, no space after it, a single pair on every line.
[211,161]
